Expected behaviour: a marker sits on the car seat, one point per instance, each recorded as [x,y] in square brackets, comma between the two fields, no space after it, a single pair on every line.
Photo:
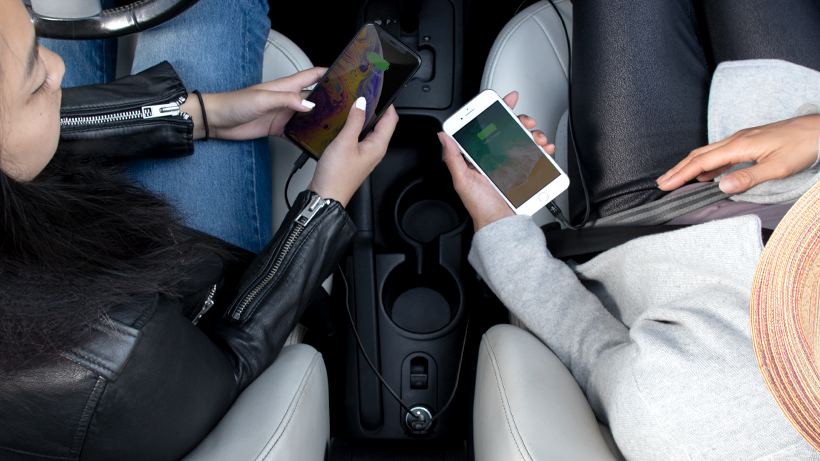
[527,404]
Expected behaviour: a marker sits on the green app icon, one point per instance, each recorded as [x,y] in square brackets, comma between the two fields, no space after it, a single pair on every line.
[486,131]
[378,61]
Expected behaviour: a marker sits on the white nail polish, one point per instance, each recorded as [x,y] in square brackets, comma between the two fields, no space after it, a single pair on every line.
[361,103]
[308,104]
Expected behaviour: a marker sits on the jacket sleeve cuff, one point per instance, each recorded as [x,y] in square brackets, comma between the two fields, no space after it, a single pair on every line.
[108,120]
[280,283]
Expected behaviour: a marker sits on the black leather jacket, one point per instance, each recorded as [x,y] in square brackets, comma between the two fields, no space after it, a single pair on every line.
[152,382]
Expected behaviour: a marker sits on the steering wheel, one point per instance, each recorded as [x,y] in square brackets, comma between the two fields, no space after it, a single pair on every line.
[112,22]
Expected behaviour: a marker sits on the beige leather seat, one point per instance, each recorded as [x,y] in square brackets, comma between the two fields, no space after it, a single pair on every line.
[282,415]
[527,404]
[530,56]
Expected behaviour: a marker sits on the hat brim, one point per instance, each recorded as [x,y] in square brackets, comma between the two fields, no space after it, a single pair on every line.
[784,315]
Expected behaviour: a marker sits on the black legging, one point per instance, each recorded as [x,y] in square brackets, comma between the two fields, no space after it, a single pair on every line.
[640,81]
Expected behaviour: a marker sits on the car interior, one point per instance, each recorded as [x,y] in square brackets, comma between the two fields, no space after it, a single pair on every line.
[442,342]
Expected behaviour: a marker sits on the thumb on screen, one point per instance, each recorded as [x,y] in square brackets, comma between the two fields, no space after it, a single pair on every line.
[355,120]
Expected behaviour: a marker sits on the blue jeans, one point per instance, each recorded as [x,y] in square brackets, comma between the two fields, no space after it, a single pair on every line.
[224,189]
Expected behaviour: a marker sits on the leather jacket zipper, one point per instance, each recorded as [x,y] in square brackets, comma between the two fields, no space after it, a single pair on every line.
[300,223]
[206,306]
[170,109]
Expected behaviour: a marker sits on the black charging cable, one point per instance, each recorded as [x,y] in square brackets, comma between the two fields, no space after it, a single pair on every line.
[552,207]
[297,165]
[418,416]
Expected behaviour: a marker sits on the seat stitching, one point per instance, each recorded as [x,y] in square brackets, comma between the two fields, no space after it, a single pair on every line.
[288,55]
[500,385]
[303,386]
[549,39]
[507,36]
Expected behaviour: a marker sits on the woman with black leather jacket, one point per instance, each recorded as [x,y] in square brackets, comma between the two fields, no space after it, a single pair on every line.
[123,333]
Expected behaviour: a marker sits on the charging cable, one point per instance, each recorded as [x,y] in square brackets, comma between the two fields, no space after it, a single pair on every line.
[418,416]
[553,208]
[297,165]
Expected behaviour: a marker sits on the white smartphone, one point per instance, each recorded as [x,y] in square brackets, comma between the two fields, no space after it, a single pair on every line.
[499,146]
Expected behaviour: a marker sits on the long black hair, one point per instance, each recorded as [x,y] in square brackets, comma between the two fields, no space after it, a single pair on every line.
[77,240]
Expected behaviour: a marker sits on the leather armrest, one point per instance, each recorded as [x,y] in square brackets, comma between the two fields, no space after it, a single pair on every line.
[527,404]
[282,415]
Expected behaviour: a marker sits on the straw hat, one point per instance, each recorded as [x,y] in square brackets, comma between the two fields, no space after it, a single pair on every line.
[785,314]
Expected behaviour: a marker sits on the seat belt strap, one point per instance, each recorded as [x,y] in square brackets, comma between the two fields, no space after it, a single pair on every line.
[665,209]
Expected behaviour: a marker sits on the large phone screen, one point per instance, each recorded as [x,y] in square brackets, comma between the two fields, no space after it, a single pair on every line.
[376,66]
[507,155]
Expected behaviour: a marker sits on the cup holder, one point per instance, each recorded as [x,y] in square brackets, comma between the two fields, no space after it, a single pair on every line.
[420,303]
[426,210]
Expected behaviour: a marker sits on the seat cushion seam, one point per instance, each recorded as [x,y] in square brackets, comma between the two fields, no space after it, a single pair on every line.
[500,387]
[288,55]
[552,44]
[506,38]
[313,367]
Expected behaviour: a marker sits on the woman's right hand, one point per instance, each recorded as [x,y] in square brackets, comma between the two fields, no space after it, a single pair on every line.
[347,162]
[478,195]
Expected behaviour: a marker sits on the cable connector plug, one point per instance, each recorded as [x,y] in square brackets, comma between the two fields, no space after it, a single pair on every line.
[553,208]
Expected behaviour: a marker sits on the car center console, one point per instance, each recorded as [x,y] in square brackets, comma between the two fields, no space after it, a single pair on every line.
[409,280]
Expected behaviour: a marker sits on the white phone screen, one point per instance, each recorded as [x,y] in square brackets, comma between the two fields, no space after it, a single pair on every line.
[506,154]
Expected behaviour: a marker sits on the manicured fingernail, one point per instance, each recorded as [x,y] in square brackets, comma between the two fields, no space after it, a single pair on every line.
[308,104]
[729,185]
[361,103]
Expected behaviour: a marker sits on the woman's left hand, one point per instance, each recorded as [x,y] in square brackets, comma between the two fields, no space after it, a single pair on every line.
[779,150]
[253,112]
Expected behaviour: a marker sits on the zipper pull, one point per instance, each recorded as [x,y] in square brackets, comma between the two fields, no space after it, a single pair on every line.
[206,306]
[310,211]
[160,110]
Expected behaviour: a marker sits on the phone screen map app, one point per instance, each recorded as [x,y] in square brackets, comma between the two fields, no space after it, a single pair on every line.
[498,144]
[373,67]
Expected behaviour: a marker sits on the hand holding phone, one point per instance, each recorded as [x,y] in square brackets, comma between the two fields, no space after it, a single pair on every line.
[481,197]
[347,161]
[374,65]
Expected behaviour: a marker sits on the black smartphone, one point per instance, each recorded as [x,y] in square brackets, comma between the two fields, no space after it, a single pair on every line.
[374,65]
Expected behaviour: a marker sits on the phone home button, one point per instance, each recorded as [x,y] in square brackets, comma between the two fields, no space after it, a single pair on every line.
[543,197]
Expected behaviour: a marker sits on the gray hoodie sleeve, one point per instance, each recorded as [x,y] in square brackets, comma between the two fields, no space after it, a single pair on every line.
[511,256]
